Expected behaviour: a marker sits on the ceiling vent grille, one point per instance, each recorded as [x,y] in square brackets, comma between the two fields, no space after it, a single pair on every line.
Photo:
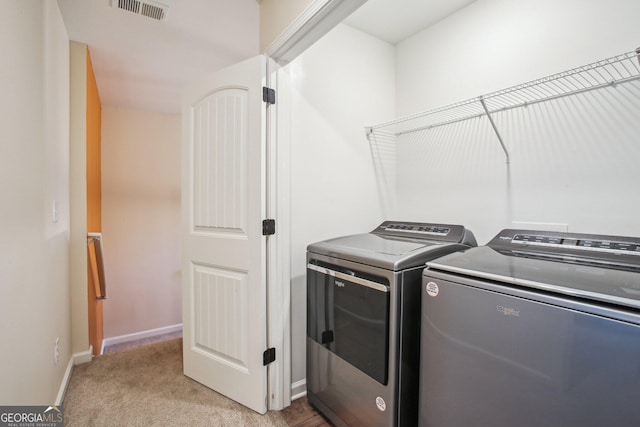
[150,9]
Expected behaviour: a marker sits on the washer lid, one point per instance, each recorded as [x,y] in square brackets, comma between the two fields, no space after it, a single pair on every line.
[391,253]
[563,273]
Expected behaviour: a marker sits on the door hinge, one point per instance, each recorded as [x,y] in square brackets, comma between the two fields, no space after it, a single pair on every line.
[268,227]
[268,95]
[269,356]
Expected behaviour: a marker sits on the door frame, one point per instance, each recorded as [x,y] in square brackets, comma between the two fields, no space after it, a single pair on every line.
[278,177]
[318,19]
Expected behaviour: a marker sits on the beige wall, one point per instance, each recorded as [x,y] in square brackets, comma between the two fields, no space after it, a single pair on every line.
[78,207]
[141,220]
[34,171]
[276,16]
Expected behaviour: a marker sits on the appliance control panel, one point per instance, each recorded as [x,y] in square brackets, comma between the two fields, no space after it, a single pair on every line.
[590,245]
[426,231]
[420,229]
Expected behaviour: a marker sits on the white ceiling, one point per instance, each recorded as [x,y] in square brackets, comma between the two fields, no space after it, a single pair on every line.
[143,64]
[395,20]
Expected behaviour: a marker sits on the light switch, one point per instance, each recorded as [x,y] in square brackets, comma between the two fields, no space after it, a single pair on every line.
[54,212]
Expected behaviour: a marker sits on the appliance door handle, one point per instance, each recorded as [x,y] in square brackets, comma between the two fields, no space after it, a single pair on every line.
[353,279]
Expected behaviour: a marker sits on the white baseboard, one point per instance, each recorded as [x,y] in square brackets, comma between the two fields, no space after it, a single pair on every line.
[298,389]
[83,356]
[76,359]
[141,335]
[65,383]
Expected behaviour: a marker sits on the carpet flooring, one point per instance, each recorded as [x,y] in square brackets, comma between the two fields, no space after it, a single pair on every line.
[113,348]
[144,386]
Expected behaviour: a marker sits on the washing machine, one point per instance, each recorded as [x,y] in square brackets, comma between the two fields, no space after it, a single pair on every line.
[537,328]
[363,320]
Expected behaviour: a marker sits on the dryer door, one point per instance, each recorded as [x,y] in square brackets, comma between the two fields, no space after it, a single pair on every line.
[348,313]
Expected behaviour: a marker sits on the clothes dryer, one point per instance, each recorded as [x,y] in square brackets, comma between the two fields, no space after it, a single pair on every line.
[363,320]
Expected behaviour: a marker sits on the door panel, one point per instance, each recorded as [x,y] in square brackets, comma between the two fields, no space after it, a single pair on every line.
[349,317]
[221,335]
[220,161]
[514,360]
[224,252]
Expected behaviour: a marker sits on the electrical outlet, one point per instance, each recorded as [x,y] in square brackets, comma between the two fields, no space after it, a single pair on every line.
[56,351]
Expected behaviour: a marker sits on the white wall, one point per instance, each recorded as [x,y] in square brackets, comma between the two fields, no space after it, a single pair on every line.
[141,220]
[494,44]
[573,161]
[34,171]
[342,83]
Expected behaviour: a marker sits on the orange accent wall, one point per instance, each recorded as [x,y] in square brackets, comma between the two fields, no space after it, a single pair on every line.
[94,197]
[94,127]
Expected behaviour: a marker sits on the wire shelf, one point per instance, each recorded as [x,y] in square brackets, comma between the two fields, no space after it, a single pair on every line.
[607,72]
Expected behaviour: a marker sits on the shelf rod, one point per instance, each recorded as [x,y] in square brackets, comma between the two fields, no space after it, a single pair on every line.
[422,114]
[438,124]
[507,108]
[495,128]
[564,95]
[559,80]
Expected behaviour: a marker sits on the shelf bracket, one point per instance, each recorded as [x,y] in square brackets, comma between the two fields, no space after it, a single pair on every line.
[495,128]
[368,131]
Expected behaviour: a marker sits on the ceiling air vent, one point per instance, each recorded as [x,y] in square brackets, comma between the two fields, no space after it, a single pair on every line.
[151,9]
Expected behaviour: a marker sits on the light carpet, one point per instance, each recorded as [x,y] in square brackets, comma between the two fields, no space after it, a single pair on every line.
[145,386]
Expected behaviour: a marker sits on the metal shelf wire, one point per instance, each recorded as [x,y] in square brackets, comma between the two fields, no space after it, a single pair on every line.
[607,72]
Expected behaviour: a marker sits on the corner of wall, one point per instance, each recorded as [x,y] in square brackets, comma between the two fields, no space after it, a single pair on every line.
[276,16]
[78,198]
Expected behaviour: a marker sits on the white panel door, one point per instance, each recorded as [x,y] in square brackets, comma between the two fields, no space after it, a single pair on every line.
[224,252]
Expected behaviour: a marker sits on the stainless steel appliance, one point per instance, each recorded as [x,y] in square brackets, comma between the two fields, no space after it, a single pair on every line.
[363,320]
[533,329]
